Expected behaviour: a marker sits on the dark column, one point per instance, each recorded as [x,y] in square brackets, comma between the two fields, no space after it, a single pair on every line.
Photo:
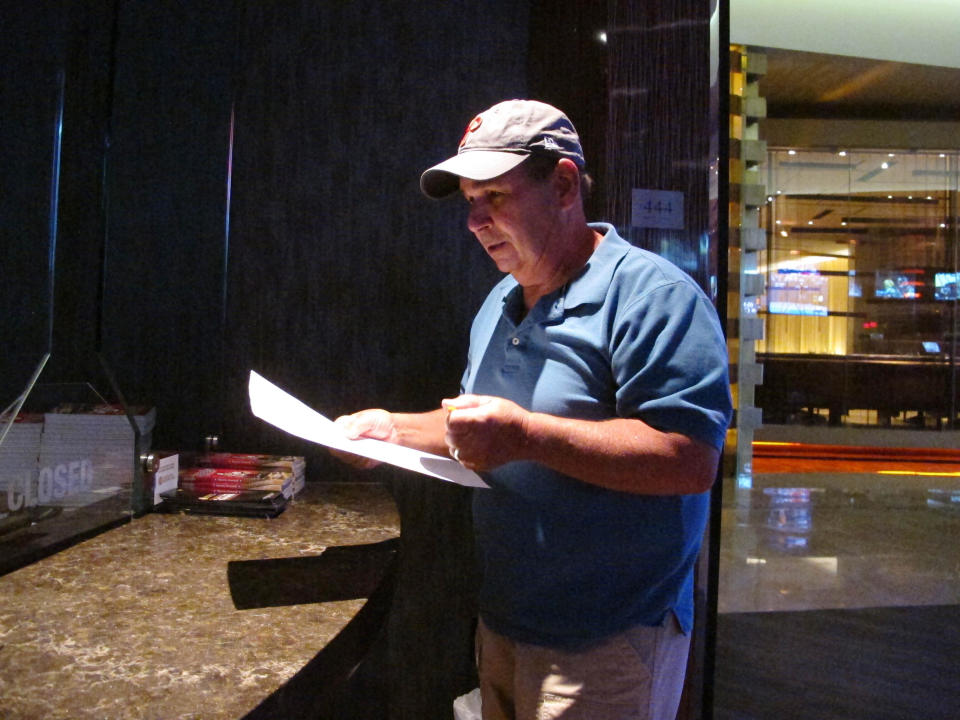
[663,123]
[663,134]
[641,82]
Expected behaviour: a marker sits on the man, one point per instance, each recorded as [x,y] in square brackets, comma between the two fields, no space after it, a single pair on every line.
[595,403]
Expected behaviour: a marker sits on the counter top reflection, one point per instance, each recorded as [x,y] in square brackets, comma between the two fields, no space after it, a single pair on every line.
[139,622]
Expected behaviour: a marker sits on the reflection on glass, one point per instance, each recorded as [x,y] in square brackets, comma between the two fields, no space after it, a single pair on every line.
[789,518]
[946,499]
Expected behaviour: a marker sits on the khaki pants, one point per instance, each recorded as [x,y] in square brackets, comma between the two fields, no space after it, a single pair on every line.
[636,675]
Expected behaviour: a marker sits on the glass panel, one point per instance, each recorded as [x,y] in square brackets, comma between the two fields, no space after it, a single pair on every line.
[861,289]
[838,575]
[69,448]
[67,468]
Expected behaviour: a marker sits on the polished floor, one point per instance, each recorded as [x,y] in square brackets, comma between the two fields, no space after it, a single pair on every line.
[839,591]
[820,527]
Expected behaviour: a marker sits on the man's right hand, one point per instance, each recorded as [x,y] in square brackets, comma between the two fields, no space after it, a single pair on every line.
[375,423]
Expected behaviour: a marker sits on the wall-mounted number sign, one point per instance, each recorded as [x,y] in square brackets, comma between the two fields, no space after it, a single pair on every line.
[657,209]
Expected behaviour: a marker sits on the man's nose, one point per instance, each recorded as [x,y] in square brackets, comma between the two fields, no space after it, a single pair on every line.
[478,217]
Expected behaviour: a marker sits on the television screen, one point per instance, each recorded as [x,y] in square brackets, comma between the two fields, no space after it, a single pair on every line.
[901,284]
[945,286]
[797,292]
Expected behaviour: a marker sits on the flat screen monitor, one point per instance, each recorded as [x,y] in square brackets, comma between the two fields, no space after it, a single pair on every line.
[899,284]
[797,292]
[945,286]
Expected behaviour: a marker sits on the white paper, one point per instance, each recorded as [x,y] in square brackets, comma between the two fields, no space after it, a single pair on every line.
[166,476]
[270,403]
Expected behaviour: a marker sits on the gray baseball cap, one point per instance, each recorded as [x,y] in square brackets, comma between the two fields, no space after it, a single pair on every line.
[499,139]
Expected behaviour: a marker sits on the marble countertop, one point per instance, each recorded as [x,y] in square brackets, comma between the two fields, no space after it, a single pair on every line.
[139,623]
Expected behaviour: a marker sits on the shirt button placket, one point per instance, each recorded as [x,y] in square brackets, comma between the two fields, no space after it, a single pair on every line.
[512,355]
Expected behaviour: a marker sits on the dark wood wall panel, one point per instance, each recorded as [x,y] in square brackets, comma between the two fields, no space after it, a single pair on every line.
[167,198]
[663,123]
[346,285]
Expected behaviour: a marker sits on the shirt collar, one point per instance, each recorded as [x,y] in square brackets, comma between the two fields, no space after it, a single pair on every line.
[589,286]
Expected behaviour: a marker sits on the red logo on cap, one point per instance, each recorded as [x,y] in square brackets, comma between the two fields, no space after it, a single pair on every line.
[472,127]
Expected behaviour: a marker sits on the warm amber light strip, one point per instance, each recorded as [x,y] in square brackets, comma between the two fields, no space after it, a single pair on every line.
[918,472]
[771,457]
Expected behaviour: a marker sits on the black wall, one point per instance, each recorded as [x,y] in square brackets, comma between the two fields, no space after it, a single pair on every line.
[336,279]
[327,270]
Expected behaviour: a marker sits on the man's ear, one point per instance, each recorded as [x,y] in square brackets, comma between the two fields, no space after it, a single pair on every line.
[566,181]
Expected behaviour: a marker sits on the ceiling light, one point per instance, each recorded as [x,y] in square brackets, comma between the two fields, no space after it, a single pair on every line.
[842,153]
[809,222]
[602,37]
[884,166]
[791,152]
[783,233]
[890,155]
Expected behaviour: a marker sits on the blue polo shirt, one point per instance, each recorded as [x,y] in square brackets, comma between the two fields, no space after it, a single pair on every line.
[566,563]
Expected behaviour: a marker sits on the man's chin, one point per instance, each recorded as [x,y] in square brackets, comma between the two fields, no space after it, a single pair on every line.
[504,266]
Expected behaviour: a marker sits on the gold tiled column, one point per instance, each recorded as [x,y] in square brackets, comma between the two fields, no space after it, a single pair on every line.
[747,194]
